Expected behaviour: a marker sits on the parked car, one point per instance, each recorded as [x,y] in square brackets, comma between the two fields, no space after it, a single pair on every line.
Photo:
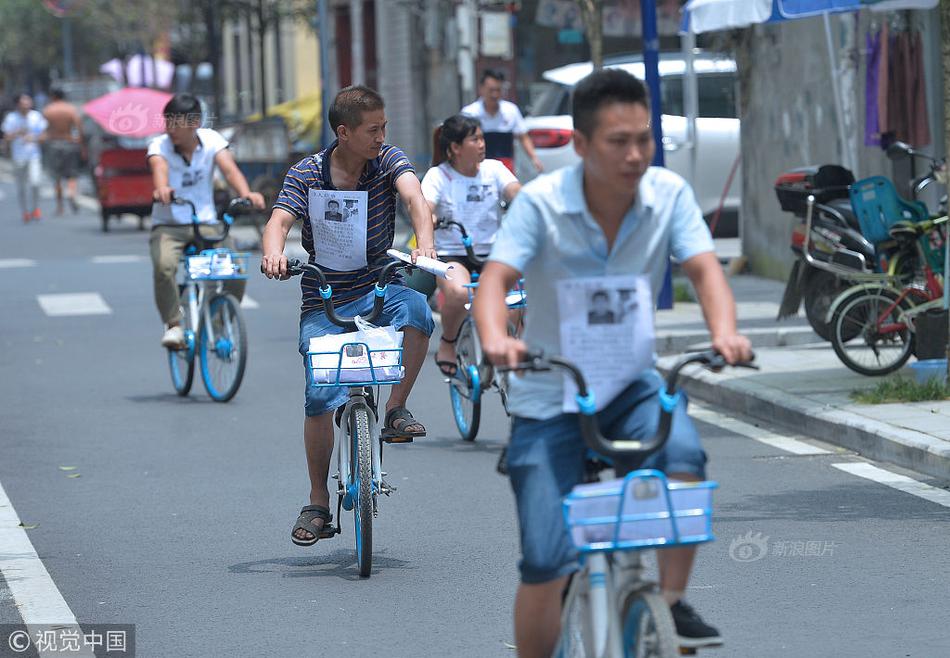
[717,126]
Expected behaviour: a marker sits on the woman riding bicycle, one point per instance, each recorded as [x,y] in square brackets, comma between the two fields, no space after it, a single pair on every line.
[464,187]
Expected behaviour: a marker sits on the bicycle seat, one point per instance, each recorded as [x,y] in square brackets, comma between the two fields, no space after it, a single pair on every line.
[843,208]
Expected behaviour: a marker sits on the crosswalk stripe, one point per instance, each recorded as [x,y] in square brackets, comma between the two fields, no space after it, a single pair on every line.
[896,481]
[247,302]
[786,443]
[119,258]
[16,262]
[73,303]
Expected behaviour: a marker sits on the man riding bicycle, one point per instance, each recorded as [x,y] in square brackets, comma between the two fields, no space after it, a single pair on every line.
[604,229]
[360,172]
[182,163]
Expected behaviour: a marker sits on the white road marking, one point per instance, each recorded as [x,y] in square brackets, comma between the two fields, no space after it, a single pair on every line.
[17,262]
[74,303]
[247,302]
[36,596]
[121,258]
[896,481]
[761,435]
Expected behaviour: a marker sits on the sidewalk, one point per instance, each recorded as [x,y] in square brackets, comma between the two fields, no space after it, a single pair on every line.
[806,387]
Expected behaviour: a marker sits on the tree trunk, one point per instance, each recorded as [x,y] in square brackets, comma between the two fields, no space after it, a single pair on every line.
[593,13]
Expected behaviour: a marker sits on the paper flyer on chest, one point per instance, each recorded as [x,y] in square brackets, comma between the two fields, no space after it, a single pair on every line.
[606,328]
[338,221]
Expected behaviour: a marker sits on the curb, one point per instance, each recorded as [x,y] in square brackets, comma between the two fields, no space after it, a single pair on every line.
[676,341]
[871,438]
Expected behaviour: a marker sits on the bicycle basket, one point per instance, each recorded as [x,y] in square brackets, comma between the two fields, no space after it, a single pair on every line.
[641,510]
[355,364]
[216,265]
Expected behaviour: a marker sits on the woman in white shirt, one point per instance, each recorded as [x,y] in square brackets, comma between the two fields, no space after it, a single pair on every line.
[464,187]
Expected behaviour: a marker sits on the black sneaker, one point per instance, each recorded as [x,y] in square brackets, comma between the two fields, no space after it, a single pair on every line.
[693,632]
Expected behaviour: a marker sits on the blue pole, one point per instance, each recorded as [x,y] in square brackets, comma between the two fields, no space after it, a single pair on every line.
[651,62]
[324,33]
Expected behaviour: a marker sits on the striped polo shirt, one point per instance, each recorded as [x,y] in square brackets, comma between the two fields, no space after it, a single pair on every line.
[379,182]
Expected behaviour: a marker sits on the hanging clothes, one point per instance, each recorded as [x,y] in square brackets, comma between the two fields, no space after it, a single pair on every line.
[872,129]
[902,92]
[919,117]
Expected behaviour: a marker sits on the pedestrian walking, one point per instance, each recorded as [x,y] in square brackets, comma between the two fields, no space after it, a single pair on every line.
[63,147]
[24,129]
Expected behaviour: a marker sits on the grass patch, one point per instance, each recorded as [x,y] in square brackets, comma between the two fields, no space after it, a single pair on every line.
[682,293]
[902,389]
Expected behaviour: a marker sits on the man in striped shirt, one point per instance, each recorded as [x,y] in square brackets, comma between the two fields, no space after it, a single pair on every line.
[365,174]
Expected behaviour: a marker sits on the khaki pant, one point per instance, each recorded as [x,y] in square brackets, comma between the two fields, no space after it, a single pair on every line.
[166,245]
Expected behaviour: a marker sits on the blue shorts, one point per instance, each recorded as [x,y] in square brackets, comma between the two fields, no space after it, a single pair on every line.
[546,460]
[404,307]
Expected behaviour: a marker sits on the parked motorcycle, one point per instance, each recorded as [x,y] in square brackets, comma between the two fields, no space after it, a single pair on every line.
[828,243]
[832,251]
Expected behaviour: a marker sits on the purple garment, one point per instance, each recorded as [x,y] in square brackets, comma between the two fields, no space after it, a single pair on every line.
[872,130]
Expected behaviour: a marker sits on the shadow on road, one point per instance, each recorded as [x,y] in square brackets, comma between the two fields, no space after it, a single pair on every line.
[340,564]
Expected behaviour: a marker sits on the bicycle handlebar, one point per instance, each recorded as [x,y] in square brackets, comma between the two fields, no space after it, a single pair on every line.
[235,205]
[296,267]
[624,449]
[466,240]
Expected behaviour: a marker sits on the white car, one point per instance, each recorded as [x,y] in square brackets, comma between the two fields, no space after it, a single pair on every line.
[717,127]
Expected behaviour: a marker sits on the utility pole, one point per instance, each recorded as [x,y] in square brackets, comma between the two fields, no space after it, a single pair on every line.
[323,9]
[261,33]
[68,69]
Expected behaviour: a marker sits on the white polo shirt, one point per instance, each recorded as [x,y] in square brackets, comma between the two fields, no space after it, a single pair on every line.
[190,180]
[34,123]
[508,119]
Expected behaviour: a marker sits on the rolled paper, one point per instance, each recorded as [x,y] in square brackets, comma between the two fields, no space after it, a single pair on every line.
[430,265]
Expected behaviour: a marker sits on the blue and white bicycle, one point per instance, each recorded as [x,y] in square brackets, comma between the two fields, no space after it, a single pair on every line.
[214,327]
[474,375]
[358,442]
[611,610]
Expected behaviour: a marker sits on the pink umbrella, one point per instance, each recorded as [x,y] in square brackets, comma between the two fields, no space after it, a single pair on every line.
[130,112]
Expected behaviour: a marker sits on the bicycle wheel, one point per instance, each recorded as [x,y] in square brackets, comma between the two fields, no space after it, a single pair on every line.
[575,640]
[181,362]
[465,389]
[648,629]
[868,335]
[361,467]
[222,364]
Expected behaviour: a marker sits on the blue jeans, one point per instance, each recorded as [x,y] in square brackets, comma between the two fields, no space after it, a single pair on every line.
[546,460]
[403,307]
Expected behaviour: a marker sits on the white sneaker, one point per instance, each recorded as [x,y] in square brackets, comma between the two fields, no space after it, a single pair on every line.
[173,338]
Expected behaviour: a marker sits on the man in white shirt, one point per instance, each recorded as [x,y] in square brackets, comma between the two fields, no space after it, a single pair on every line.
[25,127]
[500,118]
[182,163]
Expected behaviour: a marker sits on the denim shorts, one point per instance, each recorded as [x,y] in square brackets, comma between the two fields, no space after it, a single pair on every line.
[403,307]
[546,460]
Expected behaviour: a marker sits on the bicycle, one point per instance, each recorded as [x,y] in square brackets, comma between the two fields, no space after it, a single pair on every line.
[359,444]
[474,375]
[610,609]
[873,324]
[212,320]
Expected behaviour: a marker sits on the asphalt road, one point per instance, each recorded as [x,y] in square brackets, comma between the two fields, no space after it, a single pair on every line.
[179,518]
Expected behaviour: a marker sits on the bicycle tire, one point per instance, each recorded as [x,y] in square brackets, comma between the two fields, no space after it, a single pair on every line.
[229,355]
[648,628]
[575,639]
[362,471]
[181,363]
[861,311]
[465,389]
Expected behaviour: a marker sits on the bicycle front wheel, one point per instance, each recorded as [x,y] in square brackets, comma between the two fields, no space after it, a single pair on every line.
[648,629]
[224,356]
[465,389]
[868,334]
[576,636]
[362,474]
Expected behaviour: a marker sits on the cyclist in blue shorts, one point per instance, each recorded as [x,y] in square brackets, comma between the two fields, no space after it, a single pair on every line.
[592,242]
[345,196]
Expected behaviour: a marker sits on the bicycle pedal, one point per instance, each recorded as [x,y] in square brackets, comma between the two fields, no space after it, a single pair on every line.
[386,489]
